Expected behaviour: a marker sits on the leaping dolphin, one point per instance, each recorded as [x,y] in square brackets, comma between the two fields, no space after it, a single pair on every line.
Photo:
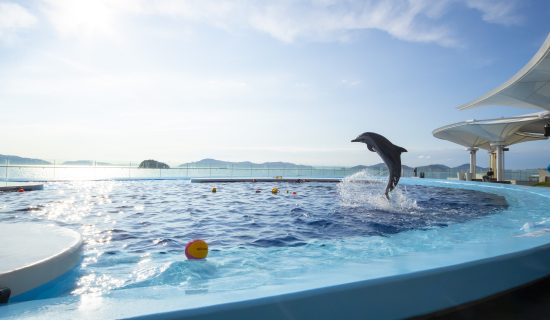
[389,152]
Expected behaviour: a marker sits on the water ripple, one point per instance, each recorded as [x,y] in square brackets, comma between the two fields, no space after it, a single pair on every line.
[135,231]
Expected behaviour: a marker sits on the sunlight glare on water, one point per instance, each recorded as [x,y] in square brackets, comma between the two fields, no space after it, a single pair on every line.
[135,232]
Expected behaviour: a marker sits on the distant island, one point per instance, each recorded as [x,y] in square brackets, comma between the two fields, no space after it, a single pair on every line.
[153,164]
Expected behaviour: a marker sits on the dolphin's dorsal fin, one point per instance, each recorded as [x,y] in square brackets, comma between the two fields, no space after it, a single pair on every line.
[401,149]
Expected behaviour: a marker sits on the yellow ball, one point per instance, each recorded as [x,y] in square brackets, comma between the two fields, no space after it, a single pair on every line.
[196,249]
[275,190]
[214,189]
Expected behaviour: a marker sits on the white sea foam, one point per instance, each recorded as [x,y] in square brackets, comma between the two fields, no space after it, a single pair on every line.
[363,189]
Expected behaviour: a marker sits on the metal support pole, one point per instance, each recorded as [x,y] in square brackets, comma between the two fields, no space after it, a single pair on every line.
[7,161]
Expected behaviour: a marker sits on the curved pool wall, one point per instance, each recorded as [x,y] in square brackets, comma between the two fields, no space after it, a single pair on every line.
[481,263]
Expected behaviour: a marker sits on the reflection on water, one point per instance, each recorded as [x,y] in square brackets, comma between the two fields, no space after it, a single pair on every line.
[135,231]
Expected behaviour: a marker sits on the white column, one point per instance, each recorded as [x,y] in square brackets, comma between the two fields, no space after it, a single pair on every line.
[499,171]
[473,161]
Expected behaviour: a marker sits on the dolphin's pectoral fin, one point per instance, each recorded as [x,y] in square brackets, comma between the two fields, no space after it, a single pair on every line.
[371,147]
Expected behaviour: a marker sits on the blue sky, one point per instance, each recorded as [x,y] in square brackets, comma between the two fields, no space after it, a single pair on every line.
[262,81]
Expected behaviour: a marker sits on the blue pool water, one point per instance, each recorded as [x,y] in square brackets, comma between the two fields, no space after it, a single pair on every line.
[135,231]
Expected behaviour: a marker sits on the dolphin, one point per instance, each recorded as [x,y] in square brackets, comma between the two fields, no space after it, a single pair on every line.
[389,152]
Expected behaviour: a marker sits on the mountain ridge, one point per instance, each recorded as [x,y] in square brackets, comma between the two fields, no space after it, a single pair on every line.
[210,162]
[11,159]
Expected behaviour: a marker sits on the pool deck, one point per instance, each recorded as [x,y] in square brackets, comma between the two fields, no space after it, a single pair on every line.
[15,186]
[527,302]
[33,254]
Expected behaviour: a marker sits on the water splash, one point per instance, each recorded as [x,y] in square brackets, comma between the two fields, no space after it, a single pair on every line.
[364,189]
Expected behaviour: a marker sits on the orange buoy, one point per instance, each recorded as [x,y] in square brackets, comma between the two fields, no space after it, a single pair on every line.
[196,249]
[20,190]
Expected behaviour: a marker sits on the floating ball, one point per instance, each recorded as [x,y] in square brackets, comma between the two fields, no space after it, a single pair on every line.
[275,190]
[294,193]
[258,190]
[214,190]
[196,249]
[20,190]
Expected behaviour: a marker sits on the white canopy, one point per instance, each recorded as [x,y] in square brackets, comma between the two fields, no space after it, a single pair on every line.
[494,135]
[504,131]
[530,87]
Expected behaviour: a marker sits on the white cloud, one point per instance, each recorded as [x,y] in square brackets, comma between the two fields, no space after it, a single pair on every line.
[82,18]
[350,82]
[409,20]
[285,20]
[13,18]
[496,11]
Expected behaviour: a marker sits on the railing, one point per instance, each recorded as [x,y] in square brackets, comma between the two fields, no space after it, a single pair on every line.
[98,171]
[53,172]
[525,175]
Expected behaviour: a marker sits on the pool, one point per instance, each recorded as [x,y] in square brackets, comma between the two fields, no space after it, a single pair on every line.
[308,240]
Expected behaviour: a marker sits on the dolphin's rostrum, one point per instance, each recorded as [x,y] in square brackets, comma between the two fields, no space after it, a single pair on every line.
[390,153]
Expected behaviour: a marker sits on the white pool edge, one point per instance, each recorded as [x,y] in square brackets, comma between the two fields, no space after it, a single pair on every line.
[393,297]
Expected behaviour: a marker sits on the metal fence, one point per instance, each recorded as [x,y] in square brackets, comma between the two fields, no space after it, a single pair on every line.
[53,172]
[99,171]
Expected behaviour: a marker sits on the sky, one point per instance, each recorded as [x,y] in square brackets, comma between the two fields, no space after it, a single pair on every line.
[178,81]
